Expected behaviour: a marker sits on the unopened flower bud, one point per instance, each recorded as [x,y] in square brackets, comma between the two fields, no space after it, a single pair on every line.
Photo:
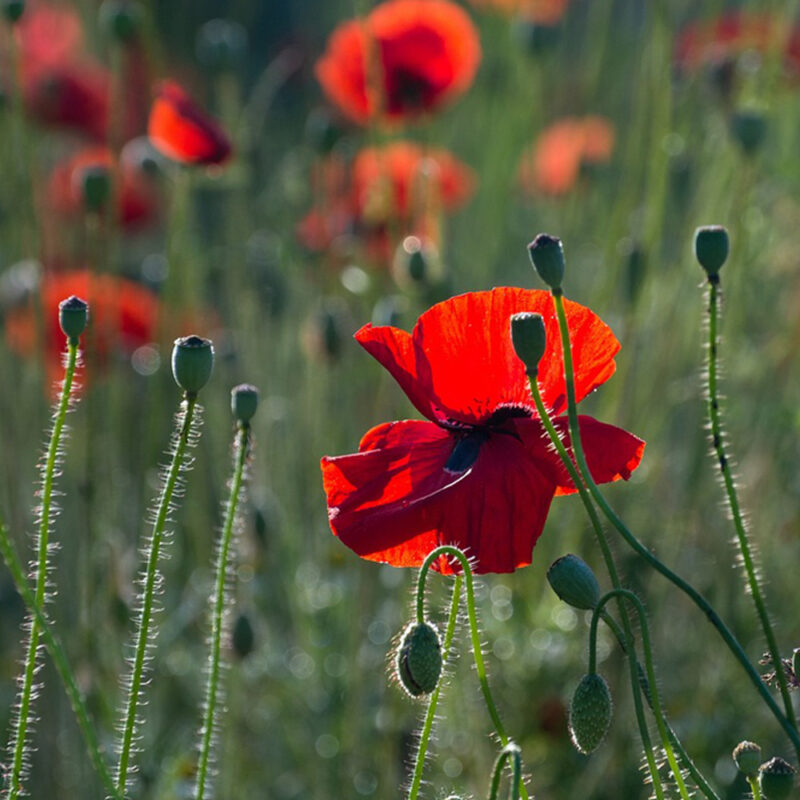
[536,37]
[749,129]
[95,185]
[572,579]
[590,713]
[529,339]
[322,132]
[192,363]
[244,402]
[419,659]
[243,637]
[711,247]
[121,19]
[73,314]
[747,757]
[776,779]
[13,10]
[547,256]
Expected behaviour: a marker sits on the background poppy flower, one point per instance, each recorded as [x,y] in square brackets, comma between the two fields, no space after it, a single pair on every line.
[427,53]
[545,12]
[179,129]
[552,165]
[480,473]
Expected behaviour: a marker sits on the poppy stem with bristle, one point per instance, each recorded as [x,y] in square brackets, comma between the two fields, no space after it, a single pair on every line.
[510,751]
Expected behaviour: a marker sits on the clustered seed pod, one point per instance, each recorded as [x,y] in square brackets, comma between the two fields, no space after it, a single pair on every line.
[711,247]
[419,659]
[776,779]
[529,339]
[244,402]
[72,316]
[590,713]
[192,363]
[547,256]
[747,756]
[572,579]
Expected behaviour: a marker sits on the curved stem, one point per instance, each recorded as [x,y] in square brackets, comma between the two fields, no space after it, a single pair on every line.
[733,499]
[728,637]
[212,687]
[25,701]
[148,594]
[512,751]
[480,666]
[60,661]
[651,675]
[430,714]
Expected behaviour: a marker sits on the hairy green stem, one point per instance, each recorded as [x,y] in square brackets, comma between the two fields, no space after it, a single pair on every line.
[510,751]
[651,675]
[56,650]
[212,688]
[148,593]
[733,499]
[728,637]
[430,714]
[755,788]
[480,666]
[18,748]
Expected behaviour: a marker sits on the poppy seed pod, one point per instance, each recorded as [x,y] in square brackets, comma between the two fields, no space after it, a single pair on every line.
[749,129]
[711,247]
[747,757]
[73,314]
[590,713]
[572,579]
[192,363]
[547,256]
[419,659]
[13,10]
[243,636]
[244,402]
[529,339]
[776,779]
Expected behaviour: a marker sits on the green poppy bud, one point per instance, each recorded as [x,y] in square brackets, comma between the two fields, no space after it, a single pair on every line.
[590,713]
[747,757]
[121,19]
[322,132]
[547,256]
[572,579]
[244,402]
[749,129]
[95,184]
[711,247]
[13,10]
[537,37]
[73,314]
[192,363]
[419,659]
[529,339]
[243,637]
[776,779]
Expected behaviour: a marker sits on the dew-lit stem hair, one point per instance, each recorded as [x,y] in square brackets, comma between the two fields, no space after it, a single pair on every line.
[24,715]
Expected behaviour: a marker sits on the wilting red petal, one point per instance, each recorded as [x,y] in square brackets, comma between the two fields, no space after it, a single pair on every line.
[180,130]
[459,362]
[395,500]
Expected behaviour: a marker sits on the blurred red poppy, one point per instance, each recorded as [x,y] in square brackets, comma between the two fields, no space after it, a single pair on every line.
[725,37]
[123,315]
[405,59]
[545,12]
[179,129]
[552,165]
[480,473]
[137,202]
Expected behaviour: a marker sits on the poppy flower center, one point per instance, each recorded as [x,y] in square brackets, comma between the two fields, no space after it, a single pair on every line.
[407,90]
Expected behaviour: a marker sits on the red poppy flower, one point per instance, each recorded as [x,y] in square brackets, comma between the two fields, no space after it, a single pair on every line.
[545,12]
[424,53]
[480,473]
[123,315]
[182,131]
[136,197]
[552,165]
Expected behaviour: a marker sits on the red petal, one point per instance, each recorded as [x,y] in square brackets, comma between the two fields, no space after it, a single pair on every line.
[459,361]
[396,501]
[612,453]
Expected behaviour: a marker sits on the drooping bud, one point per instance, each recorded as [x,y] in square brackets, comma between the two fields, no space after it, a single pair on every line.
[95,185]
[244,402]
[547,256]
[13,10]
[73,314]
[572,579]
[749,129]
[243,637]
[121,19]
[590,713]
[776,779]
[192,363]
[747,757]
[418,663]
[711,248]
[529,339]
[221,44]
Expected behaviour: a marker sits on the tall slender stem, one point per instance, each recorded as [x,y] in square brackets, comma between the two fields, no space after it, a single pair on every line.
[212,688]
[26,694]
[728,637]
[733,498]
[148,593]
